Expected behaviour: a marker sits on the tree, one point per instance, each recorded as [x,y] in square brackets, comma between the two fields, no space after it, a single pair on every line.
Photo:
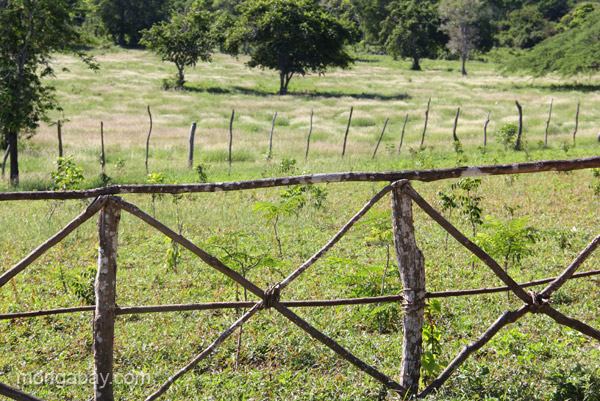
[124,19]
[31,30]
[524,28]
[575,51]
[412,30]
[463,21]
[291,37]
[183,40]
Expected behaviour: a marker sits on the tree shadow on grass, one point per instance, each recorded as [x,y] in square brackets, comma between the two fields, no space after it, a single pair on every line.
[326,95]
[568,87]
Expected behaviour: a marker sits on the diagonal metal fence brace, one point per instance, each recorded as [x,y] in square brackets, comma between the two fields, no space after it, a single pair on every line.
[470,245]
[90,211]
[204,354]
[337,237]
[209,259]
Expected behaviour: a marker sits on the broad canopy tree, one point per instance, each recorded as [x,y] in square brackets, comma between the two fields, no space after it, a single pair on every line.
[184,40]
[290,37]
[31,30]
[412,29]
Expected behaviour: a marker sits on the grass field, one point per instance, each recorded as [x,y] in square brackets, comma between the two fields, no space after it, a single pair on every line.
[534,359]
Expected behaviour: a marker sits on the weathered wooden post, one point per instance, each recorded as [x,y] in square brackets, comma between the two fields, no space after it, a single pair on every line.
[191,150]
[59,132]
[102,155]
[411,266]
[105,291]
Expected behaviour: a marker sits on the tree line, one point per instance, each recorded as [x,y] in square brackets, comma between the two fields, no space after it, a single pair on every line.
[291,37]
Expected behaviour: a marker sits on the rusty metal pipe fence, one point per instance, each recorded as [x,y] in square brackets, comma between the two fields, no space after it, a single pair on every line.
[409,258]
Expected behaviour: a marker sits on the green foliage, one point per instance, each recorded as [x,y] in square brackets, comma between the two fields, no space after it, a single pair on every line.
[302,195]
[201,170]
[432,348]
[577,383]
[124,20]
[507,134]
[524,28]
[412,29]
[575,51]
[510,241]
[31,32]
[595,184]
[184,40]
[287,166]
[290,37]
[67,176]
[83,285]
[465,199]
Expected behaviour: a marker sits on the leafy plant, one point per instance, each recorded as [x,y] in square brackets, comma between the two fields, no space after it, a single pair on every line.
[595,184]
[155,178]
[302,195]
[465,199]
[507,134]
[510,240]
[287,166]
[83,286]
[271,212]
[577,383]
[67,176]
[432,348]
[201,171]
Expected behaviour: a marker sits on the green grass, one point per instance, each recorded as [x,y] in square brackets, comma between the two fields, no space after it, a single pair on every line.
[277,360]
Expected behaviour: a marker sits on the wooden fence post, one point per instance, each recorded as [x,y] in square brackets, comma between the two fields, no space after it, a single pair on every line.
[191,150]
[347,130]
[102,155]
[425,125]
[411,266]
[59,132]
[518,141]
[309,133]
[105,291]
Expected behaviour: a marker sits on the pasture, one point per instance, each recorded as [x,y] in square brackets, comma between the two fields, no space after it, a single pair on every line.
[534,359]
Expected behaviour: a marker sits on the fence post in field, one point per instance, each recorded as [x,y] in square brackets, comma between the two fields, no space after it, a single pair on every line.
[102,155]
[485,125]
[191,151]
[59,131]
[347,130]
[309,133]
[548,124]
[520,132]
[411,266]
[454,137]
[576,123]
[148,139]
[231,134]
[271,136]
[425,125]
[380,137]
[105,291]
[402,135]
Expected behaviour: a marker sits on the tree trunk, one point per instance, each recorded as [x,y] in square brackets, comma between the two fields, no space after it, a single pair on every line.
[464,62]
[122,26]
[415,65]
[411,266]
[282,85]
[14,158]
[180,77]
